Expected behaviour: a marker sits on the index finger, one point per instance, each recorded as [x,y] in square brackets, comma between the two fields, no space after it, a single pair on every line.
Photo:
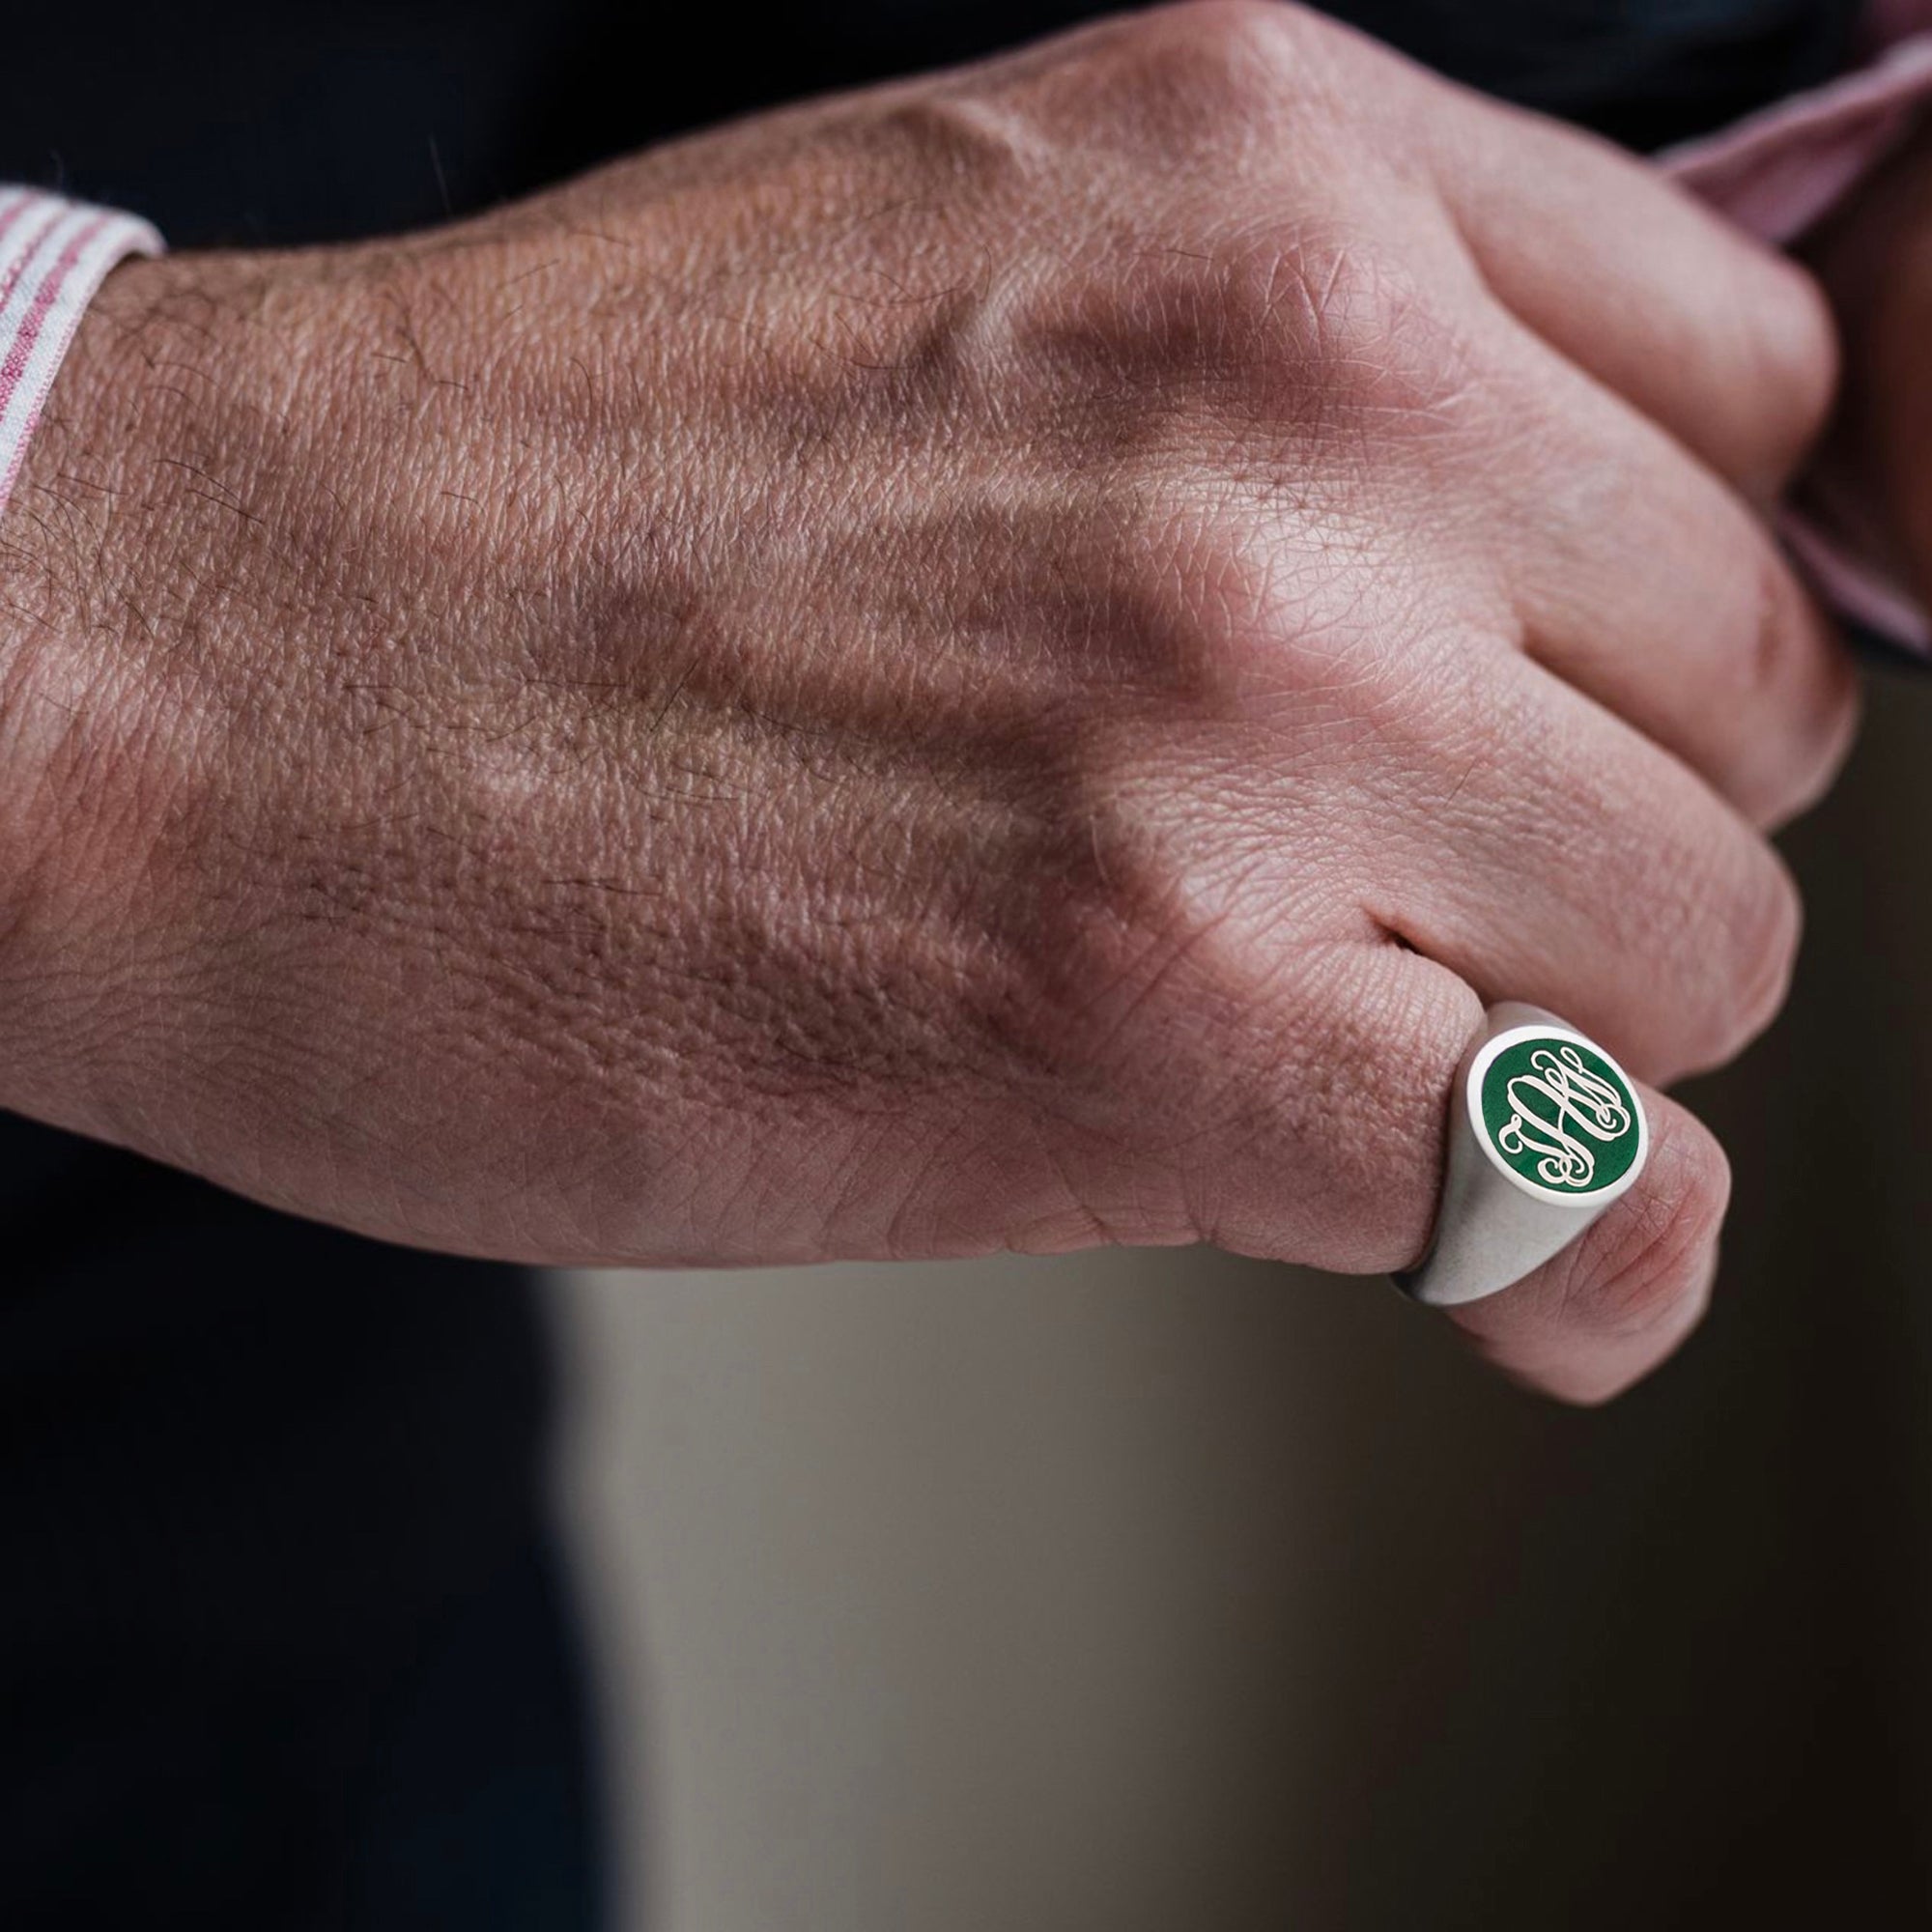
[1724,343]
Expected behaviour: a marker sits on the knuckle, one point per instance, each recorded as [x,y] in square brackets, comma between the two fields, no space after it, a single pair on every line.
[1223,65]
[1788,693]
[1772,622]
[1736,923]
[1771,348]
[1815,691]
[969,138]
[1295,1097]
[1785,640]
[1232,27]
[1228,79]
[1366,1104]
[1311,335]
[1634,1272]
[1715,915]
[1833,718]
[1365,328]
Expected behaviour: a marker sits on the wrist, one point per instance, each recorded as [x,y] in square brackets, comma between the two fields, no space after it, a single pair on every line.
[123,570]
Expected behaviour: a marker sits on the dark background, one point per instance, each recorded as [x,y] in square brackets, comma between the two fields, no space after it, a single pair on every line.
[267,1494]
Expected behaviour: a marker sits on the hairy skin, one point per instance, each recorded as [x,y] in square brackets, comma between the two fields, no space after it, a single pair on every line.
[1004,662]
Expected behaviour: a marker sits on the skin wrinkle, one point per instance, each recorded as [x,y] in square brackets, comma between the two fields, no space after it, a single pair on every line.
[873,682]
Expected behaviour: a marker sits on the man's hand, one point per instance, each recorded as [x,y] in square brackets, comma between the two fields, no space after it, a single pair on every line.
[1002,662]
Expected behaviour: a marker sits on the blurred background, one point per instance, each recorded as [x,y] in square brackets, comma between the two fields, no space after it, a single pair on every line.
[1131,1591]
[1103,1595]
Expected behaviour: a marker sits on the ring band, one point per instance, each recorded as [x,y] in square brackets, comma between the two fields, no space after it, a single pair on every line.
[1544,1131]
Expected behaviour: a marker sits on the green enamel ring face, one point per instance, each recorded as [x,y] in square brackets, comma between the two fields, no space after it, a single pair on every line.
[1557,1115]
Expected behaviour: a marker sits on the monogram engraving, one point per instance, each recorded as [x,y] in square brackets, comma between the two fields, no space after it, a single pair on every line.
[1557,1109]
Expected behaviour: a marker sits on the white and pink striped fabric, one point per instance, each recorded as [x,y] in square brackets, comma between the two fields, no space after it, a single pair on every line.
[54,253]
[1779,172]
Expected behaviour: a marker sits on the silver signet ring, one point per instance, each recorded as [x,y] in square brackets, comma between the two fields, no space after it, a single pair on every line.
[1544,1131]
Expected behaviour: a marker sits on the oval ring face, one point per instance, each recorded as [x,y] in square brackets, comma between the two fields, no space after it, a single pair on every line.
[1557,1115]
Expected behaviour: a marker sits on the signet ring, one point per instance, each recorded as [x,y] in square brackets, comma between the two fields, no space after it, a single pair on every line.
[1544,1131]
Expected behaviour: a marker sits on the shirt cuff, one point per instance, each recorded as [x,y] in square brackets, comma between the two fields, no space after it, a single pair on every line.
[1777,173]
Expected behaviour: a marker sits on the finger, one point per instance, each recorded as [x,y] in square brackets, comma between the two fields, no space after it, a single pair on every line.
[1343,1169]
[1726,344]
[1640,577]
[1317,1133]
[1576,866]
[1621,1299]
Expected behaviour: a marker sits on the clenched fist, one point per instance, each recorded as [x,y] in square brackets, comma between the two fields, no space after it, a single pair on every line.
[1002,662]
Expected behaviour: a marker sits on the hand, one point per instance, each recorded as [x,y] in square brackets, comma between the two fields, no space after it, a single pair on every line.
[1004,662]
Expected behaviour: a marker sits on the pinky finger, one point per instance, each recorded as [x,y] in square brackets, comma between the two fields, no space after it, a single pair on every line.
[1619,1300]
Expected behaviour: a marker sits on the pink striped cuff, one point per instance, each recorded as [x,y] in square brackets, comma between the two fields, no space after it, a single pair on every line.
[1775,174]
[54,254]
